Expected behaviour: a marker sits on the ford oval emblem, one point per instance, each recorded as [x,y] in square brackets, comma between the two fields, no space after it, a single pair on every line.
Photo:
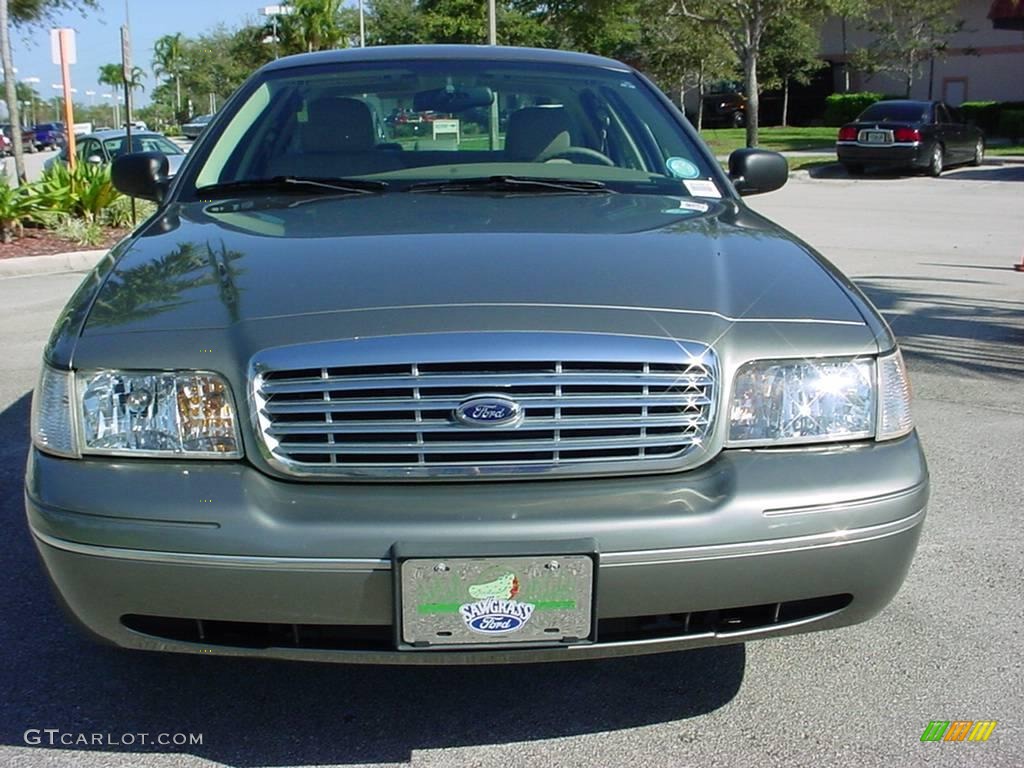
[488,411]
[496,616]
[497,624]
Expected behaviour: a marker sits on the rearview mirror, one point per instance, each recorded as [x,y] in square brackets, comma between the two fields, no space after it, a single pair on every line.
[94,159]
[754,171]
[448,100]
[141,174]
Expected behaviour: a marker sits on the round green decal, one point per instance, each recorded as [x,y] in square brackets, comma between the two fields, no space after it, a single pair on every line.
[682,168]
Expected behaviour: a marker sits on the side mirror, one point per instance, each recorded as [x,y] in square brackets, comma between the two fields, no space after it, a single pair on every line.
[754,171]
[94,159]
[141,174]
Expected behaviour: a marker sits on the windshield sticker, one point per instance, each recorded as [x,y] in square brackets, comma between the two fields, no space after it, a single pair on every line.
[702,188]
[687,207]
[682,168]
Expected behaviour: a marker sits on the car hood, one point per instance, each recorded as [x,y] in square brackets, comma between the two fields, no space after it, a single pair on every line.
[228,263]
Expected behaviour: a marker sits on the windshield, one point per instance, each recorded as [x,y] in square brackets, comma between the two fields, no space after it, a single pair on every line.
[895,112]
[145,143]
[408,122]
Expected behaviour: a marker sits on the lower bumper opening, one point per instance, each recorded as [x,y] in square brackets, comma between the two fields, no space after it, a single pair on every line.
[380,637]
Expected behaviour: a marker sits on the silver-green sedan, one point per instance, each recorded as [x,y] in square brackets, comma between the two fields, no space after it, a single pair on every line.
[523,380]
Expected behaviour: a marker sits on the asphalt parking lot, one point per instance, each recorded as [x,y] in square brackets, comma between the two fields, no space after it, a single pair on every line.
[935,255]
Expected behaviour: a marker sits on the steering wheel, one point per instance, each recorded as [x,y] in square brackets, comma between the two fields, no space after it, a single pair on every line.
[595,157]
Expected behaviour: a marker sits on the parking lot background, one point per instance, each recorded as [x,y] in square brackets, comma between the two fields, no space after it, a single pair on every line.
[935,255]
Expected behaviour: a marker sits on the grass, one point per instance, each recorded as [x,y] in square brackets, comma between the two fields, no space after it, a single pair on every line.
[807,163]
[722,141]
[1012,149]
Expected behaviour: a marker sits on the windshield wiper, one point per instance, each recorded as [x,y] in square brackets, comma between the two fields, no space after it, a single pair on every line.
[523,184]
[299,184]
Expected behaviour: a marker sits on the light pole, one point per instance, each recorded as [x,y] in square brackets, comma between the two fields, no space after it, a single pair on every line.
[56,101]
[492,39]
[113,107]
[91,95]
[362,26]
[32,81]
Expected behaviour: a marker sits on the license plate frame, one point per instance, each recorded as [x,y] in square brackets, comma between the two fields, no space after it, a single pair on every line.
[877,137]
[518,596]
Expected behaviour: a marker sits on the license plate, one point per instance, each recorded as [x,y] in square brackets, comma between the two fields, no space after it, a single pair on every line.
[490,600]
[878,137]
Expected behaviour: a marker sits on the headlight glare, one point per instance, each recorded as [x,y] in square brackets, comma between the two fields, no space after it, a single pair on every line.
[802,401]
[185,414]
[52,421]
[894,419]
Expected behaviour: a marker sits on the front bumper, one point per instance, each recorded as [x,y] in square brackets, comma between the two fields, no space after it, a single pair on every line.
[219,557]
[916,155]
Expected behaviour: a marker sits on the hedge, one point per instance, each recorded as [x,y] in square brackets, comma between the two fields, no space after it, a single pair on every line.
[988,115]
[1011,124]
[842,108]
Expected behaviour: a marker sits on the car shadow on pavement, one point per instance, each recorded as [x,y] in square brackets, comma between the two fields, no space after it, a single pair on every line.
[949,329]
[254,713]
[1000,172]
[995,170]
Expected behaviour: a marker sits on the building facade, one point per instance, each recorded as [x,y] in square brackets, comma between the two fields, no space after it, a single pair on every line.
[983,63]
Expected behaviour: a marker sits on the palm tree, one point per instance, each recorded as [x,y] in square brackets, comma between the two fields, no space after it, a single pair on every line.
[113,75]
[168,59]
[313,25]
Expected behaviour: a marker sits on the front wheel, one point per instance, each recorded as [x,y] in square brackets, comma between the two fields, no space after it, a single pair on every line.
[979,153]
[738,120]
[937,162]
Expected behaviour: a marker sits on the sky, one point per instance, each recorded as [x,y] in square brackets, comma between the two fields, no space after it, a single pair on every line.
[98,41]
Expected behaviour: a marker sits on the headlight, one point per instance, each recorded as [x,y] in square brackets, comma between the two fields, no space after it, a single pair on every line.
[52,421]
[184,414]
[802,401]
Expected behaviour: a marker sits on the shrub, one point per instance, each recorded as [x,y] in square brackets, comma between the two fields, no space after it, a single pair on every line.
[983,114]
[84,192]
[1011,124]
[842,108]
[988,115]
[119,213]
[15,206]
[79,231]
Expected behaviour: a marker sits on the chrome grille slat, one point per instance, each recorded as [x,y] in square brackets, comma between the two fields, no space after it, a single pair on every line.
[451,403]
[511,446]
[438,425]
[498,380]
[384,408]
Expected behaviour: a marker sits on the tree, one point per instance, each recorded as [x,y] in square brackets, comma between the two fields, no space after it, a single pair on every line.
[24,12]
[790,54]
[680,53]
[394,22]
[906,34]
[315,25]
[168,60]
[113,75]
[742,23]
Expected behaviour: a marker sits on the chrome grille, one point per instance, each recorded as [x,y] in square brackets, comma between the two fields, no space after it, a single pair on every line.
[581,412]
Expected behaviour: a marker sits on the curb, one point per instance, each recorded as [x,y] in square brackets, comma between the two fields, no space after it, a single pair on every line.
[73,261]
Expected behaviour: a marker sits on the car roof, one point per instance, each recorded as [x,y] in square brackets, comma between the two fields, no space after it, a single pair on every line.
[379,53]
[117,133]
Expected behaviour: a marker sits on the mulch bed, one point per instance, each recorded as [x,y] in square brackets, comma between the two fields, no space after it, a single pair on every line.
[39,242]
